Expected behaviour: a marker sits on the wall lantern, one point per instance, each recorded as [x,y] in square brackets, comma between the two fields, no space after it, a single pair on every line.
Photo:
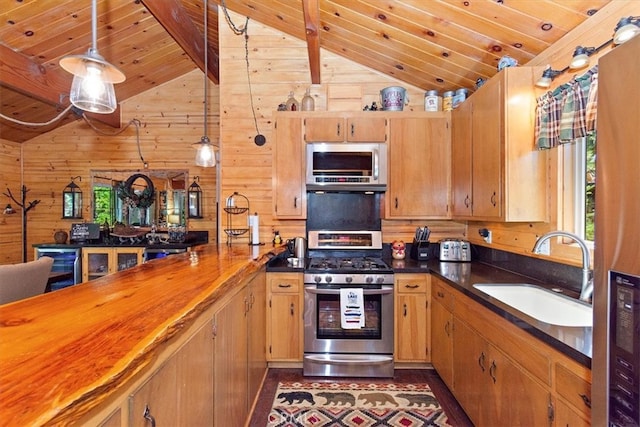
[72,200]
[8,210]
[195,199]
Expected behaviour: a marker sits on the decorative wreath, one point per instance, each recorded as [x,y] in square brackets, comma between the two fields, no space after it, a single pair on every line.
[143,200]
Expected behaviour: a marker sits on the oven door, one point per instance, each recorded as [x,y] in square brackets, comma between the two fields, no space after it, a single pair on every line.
[323,332]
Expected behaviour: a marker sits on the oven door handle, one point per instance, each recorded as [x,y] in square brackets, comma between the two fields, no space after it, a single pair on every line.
[384,291]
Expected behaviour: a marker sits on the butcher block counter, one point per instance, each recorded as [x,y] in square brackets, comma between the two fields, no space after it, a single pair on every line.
[64,354]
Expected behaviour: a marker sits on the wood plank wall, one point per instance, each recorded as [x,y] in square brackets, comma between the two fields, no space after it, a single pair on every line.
[171,119]
[10,225]
[278,65]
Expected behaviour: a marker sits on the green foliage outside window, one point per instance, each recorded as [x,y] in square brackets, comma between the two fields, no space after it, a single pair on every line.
[102,208]
[590,187]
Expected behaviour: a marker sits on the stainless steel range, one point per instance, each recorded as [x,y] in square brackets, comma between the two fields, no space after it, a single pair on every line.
[348,299]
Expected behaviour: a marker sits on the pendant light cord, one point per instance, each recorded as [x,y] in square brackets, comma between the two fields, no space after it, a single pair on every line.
[237,31]
[206,66]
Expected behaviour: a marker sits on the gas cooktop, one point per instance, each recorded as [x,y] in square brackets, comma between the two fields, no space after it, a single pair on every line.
[348,264]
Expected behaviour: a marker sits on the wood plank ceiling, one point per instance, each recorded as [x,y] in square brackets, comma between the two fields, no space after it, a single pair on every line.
[439,44]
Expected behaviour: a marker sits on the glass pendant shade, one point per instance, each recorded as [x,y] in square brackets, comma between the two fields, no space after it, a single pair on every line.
[91,93]
[205,155]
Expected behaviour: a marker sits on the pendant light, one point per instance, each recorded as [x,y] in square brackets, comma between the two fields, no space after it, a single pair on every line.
[205,154]
[93,77]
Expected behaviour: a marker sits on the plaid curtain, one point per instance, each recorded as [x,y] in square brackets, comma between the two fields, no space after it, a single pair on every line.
[567,113]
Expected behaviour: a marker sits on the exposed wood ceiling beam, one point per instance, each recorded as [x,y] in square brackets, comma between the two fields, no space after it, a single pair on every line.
[184,31]
[311,11]
[22,74]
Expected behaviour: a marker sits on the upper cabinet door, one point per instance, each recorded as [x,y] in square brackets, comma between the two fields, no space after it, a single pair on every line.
[324,129]
[289,199]
[461,165]
[419,167]
[345,129]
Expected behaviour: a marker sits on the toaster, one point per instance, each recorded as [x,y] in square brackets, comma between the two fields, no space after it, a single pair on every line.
[455,250]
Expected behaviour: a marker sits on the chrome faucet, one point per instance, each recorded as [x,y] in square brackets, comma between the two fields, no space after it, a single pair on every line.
[587,282]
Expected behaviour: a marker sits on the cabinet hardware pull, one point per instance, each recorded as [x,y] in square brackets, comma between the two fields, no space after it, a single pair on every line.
[492,371]
[440,294]
[466,201]
[396,203]
[481,361]
[411,286]
[284,285]
[405,310]
[493,199]
[291,309]
[353,129]
[295,202]
[446,328]
[147,416]
[338,129]
[586,400]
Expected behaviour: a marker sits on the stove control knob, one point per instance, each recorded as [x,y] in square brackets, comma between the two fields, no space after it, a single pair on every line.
[379,279]
[317,279]
[369,279]
[348,279]
[328,279]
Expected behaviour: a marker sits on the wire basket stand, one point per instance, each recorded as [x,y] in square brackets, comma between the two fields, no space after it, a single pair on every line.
[236,204]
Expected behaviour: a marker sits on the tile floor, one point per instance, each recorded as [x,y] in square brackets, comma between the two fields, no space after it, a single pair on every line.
[457,417]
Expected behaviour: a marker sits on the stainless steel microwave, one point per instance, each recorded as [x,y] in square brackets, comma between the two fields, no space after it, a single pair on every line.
[346,166]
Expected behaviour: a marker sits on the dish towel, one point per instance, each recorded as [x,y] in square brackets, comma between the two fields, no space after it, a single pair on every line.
[351,308]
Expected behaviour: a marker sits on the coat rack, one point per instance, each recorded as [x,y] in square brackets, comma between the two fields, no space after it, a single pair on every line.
[25,208]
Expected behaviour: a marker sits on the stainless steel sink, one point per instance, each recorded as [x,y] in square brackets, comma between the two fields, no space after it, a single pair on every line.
[540,303]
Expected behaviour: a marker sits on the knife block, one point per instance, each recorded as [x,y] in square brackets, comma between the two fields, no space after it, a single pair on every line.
[419,250]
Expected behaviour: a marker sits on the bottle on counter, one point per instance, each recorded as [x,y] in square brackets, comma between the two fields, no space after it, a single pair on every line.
[308,104]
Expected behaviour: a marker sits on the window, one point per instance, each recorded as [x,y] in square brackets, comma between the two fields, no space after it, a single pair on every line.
[579,191]
[103,197]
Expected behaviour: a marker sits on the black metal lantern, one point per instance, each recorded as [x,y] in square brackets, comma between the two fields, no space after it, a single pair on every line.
[195,199]
[72,200]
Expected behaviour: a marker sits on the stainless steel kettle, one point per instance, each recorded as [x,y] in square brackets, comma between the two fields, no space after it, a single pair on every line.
[297,247]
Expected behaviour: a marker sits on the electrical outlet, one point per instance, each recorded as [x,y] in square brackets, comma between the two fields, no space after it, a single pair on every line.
[545,248]
[488,237]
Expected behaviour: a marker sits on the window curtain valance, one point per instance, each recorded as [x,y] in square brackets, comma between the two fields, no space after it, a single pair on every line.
[568,112]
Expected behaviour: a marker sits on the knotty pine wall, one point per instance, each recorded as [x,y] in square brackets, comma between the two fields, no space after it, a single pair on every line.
[278,65]
[171,117]
[10,225]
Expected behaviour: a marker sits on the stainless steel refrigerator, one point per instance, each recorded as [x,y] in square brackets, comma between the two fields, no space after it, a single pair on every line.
[616,330]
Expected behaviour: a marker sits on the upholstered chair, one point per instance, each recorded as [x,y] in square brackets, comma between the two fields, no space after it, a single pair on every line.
[19,281]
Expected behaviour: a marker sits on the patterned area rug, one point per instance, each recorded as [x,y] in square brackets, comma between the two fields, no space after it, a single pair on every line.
[311,404]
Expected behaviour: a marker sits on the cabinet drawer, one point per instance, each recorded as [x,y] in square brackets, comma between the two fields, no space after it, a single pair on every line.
[412,283]
[574,389]
[285,282]
[441,293]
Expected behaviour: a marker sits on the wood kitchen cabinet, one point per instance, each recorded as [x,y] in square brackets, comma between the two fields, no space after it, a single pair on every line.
[284,317]
[412,329]
[289,188]
[100,261]
[442,331]
[257,340]
[497,173]
[419,167]
[501,374]
[368,128]
[180,392]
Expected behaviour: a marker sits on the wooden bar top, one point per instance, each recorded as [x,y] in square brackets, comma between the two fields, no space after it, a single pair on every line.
[63,353]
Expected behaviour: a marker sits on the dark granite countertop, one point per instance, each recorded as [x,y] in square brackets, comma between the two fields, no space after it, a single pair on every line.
[575,342]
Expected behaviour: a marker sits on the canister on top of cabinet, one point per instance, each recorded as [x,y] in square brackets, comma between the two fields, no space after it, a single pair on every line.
[459,97]
[447,100]
[432,101]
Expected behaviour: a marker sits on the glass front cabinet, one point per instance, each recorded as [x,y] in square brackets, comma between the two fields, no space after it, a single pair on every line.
[100,261]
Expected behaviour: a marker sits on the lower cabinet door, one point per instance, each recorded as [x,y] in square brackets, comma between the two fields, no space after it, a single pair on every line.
[156,401]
